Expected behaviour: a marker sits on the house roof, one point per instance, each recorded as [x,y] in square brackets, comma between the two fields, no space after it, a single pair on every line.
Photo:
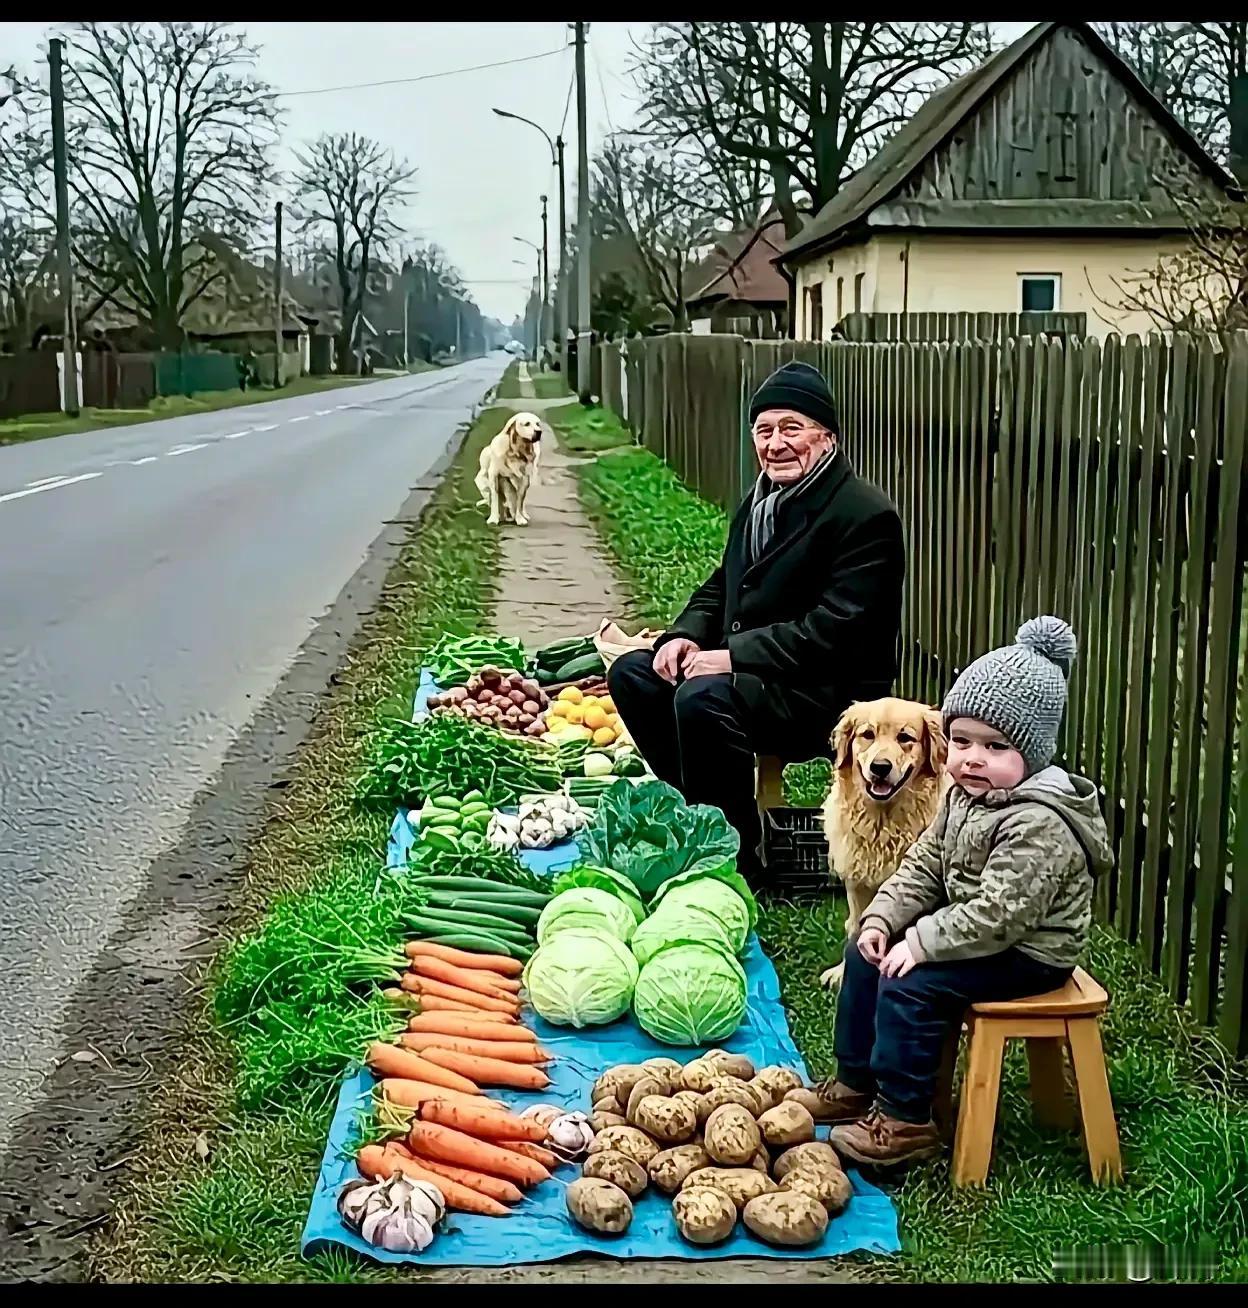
[940,117]
[750,275]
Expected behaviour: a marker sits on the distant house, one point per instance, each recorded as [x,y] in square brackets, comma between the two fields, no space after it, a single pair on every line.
[1028,185]
[740,289]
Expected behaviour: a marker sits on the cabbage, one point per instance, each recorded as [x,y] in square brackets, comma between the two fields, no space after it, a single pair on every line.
[602,878]
[690,994]
[714,898]
[689,922]
[725,872]
[588,908]
[581,978]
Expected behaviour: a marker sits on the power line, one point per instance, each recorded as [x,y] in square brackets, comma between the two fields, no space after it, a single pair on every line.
[602,90]
[426,77]
[567,101]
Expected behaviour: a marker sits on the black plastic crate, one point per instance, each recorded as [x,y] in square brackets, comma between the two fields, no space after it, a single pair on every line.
[796,852]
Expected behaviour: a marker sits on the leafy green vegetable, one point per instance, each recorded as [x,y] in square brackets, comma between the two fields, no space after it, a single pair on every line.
[455,657]
[679,923]
[725,872]
[584,906]
[450,754]
[581,978]
[712,897]
[806,785]
[648,832]
[690,994]
[603,878]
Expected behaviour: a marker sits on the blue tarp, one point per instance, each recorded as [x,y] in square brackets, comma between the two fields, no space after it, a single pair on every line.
[540,1230]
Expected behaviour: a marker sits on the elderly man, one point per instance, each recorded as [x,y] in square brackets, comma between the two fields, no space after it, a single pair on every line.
[800,618]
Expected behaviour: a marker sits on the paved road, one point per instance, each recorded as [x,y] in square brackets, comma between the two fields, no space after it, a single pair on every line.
[156,582]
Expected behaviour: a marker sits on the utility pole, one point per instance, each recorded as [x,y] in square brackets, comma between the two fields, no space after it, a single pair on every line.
[277,299]
[583,373]
[64,259]
[545,278]
[561,316]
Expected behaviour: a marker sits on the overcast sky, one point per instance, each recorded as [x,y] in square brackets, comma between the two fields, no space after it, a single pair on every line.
[479,176]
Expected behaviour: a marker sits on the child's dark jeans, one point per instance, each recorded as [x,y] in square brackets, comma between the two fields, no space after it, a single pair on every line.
[891,1032]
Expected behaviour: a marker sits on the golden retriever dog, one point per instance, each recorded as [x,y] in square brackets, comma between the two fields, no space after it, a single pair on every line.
[889,777]
[508,467]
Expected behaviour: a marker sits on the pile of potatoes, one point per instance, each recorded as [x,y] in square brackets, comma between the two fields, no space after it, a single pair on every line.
[722,1139]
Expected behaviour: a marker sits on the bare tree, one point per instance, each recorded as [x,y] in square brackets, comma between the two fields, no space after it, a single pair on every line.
[169,135]
[808,101]
[1202,287]
[27,234]
[349,188]
[1200,72]
[644,196]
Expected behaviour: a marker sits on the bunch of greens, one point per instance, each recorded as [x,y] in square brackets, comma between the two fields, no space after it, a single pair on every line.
[649,834]
[457,656]
[806,785]
[449,755]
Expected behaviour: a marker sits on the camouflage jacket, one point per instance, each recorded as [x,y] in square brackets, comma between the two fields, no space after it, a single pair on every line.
[1008,868]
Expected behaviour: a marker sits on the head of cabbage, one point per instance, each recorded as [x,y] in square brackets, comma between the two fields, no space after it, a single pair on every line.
[581,977]
[708,897]
[690,993]
[589,908]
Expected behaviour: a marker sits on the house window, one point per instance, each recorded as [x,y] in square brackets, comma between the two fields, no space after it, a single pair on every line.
[814,312]
[858,291]
[840,298]
[1039,292]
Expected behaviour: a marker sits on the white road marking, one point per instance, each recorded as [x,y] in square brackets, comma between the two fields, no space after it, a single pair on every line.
[305,417]
[234,435]
[47,481]
[138,463]
[338,408]
[182,449]
[46,486]
[320,413]
[271,427]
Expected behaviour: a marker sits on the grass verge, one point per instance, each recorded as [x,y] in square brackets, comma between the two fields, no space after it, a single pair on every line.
[237,1213]
[509,383]
[1182,1104]
[584,430]
[38,426]
[549,385]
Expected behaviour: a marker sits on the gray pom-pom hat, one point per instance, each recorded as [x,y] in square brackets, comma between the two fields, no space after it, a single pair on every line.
[1020,689]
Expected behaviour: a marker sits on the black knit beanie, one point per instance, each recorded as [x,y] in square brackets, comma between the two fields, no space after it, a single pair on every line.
[799,387]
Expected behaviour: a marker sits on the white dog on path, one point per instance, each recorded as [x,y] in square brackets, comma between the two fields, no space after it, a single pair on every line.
[508,469]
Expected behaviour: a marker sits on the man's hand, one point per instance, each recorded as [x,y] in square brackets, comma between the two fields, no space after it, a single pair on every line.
[899,960]
[671,656]
[713,662]
[872,943]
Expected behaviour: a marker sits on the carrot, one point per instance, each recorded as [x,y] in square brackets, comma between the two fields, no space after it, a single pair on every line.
[433,1004]
[462,958]
[449,1146]
[511,1051]
[485,1126]
[411,1094]
[493,1186]
[490,1071]
[378,1165]
[530,1150]
[388,1060]
[424,985]
[481,1027]
[456,976]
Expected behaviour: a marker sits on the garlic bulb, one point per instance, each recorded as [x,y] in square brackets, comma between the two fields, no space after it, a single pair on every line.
[569,1136]
[398,1214]
[397,1230]
[544,1114]
[353,1202]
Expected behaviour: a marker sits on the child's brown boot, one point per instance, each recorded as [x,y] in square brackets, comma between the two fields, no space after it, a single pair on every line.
[882,1141]
[838,1103]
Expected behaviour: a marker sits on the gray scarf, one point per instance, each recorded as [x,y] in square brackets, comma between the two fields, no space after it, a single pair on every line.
[768,499]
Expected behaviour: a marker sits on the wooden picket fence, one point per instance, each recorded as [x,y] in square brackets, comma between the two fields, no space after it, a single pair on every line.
[1102,481]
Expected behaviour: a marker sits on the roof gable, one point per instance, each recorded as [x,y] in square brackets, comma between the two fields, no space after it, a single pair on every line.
[1055,117]
[751,276]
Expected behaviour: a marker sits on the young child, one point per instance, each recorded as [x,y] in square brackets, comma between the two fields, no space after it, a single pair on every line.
[993,901]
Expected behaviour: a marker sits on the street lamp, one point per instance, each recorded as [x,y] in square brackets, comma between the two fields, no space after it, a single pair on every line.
[556,151]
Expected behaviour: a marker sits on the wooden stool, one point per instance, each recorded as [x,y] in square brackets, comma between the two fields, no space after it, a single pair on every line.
[1062,1019]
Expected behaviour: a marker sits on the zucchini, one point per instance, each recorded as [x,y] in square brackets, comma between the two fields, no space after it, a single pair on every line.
[445,839]
[482,886]
[520,913]
[473,797]
[474,806]
[559,652]
[448,802]
[441,919]
[587,665]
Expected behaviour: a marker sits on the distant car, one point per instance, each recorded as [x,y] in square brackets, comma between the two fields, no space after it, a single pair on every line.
[514,347]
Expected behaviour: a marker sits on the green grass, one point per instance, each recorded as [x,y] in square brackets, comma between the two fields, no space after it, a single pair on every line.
[38,426]
[509,383]
[549,385]
[1182,1104]
[584,430]
[237,1215]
